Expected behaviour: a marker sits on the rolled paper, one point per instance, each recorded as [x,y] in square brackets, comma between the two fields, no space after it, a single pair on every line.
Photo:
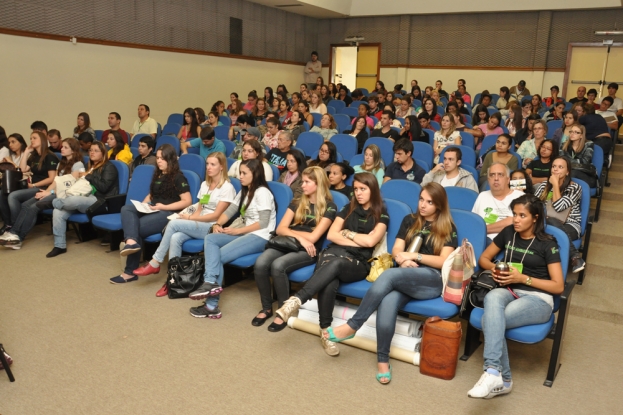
[411,357]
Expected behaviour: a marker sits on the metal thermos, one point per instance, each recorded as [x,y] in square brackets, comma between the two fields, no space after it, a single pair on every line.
[416,244]
[502,267]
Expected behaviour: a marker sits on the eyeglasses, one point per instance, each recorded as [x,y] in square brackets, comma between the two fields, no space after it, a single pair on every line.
[575,132]
[324,151]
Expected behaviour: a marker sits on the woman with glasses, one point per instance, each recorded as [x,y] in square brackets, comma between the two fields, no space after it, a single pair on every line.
[528,149]
[580,151]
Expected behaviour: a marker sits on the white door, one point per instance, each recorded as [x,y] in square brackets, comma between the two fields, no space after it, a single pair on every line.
[345,66]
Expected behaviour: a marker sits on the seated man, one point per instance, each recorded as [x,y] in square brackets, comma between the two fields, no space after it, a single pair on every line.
[85,140]
[277,155]
[145,124]
[145,150]
[439,88]
[114,122]
[581,95]
[596,129]
[55,142]
[449,173]
[251,133]
[485,99]
[553,99]
[39,126]
[519,91]
[424,120]
[605,110]
[206,142]
[493,205]
[404,167]
[243,122]
[386,129]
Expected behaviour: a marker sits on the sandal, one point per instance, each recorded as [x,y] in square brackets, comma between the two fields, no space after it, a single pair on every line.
[335,339]
[258,321]
[387,375]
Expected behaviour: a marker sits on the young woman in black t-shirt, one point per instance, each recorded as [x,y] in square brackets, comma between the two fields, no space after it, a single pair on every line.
[540,169]
[307,219]
[168,192]
[525,293]
[418,274]
[38,160]
[359,226]
[338,173]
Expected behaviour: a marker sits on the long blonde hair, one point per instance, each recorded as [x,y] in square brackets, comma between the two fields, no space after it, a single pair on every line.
[448,133]
[323,196]
[441,228]
[376,158]
[222,160]
[568,147]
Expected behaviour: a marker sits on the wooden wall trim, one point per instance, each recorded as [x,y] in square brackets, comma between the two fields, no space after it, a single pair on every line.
[48,36]
[479,68]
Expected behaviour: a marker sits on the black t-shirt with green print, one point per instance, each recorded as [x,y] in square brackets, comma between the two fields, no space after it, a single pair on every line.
[427,247]
[160,193]
[360,222]
[309,224]
[40,168]
[536,259]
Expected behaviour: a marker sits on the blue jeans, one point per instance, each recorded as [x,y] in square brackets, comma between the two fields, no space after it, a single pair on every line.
[27,217]
[137,226]
[220,249]
[502,312]
[63,209]
[11,204]
[390,292]
[179,231]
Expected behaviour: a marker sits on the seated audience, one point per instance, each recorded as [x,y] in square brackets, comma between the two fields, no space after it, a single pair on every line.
[553,99]
[540,168]
[118,149]
[207,143]
[446,136]
[605,110]
[259,111]
[243,122]
[325,94]
[327,128]
[295,125]
[386,129]
[307,219]
[526,133]
[528,149]
[500,153]
[412,130]
[327,155]
[557,113]
[272,135]
[362,111]
[405,109]
[525,293]
[145,154]
[493,205]
[515,120]
[293,173]
[85,140]
[114,124]
[358,227]
[55,141]
[520,174]
[284,112]
[103,178]
[84,126]
[503,104]
[236,111]
[304,109]
[17,146]
[580,152]
[597,129]
[168,193]
[581,96]
[251,150]
[491,127]
[247,235]
[480,115]
[537,104]
[338,174]
[519,91]
[343,97]
[251,99]
[417,275]
[277,156]
[251,133]
[190,128]
[561,135]
[404,167]
[145,124]
[317,106]
[359,131]
[430,107]
[372,163]
[424,120]
[449,173]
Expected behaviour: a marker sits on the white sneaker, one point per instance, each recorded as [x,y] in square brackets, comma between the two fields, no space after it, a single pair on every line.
[291,305]
[500,391]
[10,240]
[486,385]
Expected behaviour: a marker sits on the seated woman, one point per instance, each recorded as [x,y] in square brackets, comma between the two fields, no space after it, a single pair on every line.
[500,155]
[212,121]
[492,127]
[503,104]
[190,128]
[273,130]
[237,109]
[540,169]
[536,103]
[557,113]
[168,193]
[418,275]
[317,106]
[372,163]
[274,104]
[514,121]
[293,174]
[259,111]
[561,135]
[103,177]
[40,163]
[84,126]
[413,130]
[343,97]
[327,155]
[580,152]
[526,133]
[295,125]
[359,132]
[520,174]
[328,127]
[17,146]
[307,219]
[200,114]
[284,111]
[251,99]
[446,136]
[71,163]
[4,146]
[232,97]
[525,295]
[215,195]
[405,109]
[528,149]
[247,235]
[480,115]
[304,109]
[338,174]
[118,149]
[325,94]
[429,106]
[281,89]
[564,196]
[251,150]
[358,227]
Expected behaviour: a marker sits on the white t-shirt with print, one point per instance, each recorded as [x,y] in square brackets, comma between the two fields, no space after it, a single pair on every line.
[226,193]
[445,182]
[493,210]
[262,200]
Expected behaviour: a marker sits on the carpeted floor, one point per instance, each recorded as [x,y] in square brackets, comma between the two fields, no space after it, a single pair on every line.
[84,346]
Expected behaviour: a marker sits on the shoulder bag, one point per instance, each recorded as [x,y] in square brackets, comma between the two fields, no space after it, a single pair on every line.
[63,183]
[457,271]
[552,213]
[184,275]
[285,244]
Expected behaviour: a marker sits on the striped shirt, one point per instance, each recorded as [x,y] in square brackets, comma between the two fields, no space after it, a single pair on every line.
[570,198]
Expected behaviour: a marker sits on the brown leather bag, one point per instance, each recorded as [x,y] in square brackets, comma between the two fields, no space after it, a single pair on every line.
[439,350]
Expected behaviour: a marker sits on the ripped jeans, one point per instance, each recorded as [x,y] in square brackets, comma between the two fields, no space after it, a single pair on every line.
[334,265]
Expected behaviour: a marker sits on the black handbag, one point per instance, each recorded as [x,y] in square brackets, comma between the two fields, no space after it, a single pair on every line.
[184,275]
[285,244]
[477,289]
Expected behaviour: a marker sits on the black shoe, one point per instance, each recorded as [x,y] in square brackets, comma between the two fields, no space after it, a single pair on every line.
[577,264]
[274,327]
[258,321]
[202,311]
[4,229]
[105,241]
[56,252]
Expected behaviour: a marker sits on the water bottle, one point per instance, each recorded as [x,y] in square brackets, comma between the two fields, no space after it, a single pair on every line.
[416,244]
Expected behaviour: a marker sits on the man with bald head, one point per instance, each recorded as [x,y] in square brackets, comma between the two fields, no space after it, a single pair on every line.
[581,96]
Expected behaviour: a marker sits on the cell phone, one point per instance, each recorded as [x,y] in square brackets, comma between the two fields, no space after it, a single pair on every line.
[519,184]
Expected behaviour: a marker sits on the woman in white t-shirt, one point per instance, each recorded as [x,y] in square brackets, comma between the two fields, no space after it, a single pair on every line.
[215,195]
[251,149]
[17,145]
[446,136]
[245,236]
[317,106]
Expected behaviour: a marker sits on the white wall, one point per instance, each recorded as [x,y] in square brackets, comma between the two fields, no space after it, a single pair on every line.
[538,82]
[53,81]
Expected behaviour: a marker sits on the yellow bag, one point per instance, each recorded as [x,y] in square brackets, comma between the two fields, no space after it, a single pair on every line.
[379,264]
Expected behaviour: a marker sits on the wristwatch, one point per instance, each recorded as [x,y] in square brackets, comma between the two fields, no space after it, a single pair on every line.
[52,191]
[419,257]
[529,281]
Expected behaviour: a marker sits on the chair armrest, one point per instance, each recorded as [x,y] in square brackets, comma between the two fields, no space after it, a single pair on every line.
[115,203]
[566,294]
